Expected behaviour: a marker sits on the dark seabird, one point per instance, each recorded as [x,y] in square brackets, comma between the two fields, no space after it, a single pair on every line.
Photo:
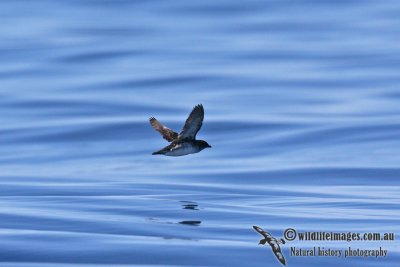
[273,242]
[185,142]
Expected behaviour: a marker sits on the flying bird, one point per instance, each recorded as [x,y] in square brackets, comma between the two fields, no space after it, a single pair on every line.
[185,142]
[273,242]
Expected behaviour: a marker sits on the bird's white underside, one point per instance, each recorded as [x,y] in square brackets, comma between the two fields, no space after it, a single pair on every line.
[181,150]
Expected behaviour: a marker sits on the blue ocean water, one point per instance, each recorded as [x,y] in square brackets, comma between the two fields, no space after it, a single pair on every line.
[301,108]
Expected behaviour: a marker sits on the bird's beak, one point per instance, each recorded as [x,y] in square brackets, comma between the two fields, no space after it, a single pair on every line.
[209,146]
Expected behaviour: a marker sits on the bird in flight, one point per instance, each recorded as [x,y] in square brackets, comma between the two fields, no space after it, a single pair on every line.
[273,242]
[185,142]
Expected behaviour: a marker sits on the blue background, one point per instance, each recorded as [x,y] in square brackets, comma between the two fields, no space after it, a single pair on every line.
[302,110]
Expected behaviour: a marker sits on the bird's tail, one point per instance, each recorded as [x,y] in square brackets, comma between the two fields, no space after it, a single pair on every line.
[157,153]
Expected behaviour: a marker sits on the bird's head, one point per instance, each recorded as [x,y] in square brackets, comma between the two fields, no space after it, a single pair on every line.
[203,144]
[262,242]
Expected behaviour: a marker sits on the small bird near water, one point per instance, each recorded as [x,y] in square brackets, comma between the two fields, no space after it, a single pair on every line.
[273,242]
[185,142]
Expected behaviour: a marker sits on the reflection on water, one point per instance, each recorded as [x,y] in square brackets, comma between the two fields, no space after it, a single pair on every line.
[194,223]
[301,107]
[189,205]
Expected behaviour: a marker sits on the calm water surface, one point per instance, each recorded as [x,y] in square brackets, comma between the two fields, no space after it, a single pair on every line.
[302,111]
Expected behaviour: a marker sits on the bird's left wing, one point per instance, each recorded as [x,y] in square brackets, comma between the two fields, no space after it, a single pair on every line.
[193,123]
[262,232]
[166,132]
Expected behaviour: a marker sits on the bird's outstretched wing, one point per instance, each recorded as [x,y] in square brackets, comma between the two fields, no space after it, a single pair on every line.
[279,255]
[193,123]
[262,232]
[166,132]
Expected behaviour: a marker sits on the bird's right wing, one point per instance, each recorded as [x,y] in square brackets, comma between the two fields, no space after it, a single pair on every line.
[278,254]
[193,123]
[166,132]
